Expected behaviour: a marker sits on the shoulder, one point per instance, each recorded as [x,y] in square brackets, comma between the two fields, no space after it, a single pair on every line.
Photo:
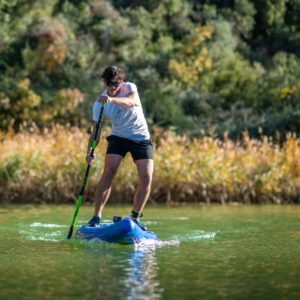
[130,87]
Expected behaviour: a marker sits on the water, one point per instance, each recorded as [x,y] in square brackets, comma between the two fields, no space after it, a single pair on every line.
[214,252]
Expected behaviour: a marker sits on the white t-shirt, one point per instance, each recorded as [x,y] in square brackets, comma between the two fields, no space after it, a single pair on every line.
[129,123]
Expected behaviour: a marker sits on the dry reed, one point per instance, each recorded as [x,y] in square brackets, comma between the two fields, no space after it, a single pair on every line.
[49,166]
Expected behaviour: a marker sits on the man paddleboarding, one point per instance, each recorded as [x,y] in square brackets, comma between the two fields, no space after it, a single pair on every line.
[129,134]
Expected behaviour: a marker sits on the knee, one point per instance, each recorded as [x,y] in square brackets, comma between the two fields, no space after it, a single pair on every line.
[108,174]
[106,179]
[146,181]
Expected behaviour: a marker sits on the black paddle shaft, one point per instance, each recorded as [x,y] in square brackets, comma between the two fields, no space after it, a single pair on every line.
[80,196]
[94,144]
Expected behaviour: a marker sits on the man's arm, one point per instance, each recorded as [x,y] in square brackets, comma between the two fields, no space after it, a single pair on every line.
[129,101]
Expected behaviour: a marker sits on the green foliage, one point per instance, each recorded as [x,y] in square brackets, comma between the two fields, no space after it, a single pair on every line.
[243,15]
[227,65]
[281,82]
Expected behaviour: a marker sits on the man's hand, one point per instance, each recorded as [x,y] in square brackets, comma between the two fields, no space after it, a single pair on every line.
[90,159]
[104,99]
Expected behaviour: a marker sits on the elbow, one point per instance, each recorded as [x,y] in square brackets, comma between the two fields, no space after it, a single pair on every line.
[131,104]
[131,100]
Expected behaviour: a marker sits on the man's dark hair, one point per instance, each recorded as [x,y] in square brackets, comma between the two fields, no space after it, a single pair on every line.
[113,74]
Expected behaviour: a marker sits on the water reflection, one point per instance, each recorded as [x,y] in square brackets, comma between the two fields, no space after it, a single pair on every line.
[111,271]
[141,280]
[130,272]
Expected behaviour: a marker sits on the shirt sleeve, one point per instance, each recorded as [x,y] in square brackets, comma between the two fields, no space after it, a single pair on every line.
[131,87]
[107,112]
[96,110]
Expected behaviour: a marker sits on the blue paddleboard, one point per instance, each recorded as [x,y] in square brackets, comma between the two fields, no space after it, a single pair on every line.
[122,232]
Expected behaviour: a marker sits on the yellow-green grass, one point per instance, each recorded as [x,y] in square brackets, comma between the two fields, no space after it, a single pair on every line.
[49,167]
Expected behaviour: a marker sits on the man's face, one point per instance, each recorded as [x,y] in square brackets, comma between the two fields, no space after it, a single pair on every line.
[113,88]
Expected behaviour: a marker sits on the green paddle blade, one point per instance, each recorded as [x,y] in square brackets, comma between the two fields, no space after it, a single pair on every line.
[79,201]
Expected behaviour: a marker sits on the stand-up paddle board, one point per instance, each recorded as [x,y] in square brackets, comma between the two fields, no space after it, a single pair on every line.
[123,232]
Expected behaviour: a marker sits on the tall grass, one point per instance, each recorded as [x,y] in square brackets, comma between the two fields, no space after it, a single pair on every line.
[49,166]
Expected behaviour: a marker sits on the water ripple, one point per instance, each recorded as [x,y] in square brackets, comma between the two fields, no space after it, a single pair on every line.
[195,236]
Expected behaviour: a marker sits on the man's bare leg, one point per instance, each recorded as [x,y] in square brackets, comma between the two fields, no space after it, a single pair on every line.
[103,188]
[145,172]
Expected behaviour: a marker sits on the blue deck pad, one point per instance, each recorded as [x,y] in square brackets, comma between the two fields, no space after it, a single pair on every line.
[123,232]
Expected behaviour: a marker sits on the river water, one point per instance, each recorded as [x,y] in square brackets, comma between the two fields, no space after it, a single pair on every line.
[207,252]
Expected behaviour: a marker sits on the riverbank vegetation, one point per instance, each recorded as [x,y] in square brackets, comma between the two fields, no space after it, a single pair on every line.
[219,82]
[48,166]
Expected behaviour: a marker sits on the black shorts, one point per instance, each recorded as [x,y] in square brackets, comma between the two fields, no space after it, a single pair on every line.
[138,149]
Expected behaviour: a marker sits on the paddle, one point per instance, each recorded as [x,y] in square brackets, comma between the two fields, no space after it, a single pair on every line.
[80,196]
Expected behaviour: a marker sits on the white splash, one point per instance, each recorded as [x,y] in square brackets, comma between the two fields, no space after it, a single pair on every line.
[150,223]
[47,225]
[40,238]
[148,244]
[196,236]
